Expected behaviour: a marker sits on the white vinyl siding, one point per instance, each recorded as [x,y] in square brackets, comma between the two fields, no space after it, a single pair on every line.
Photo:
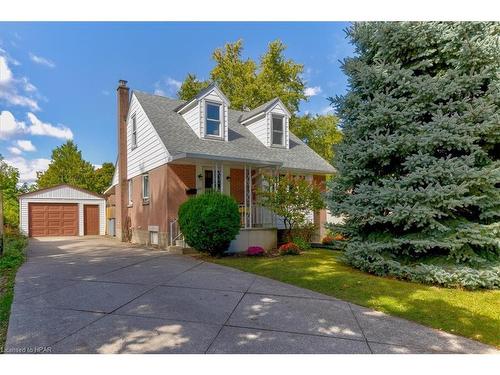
[150,151]
[63,194]
[192,117]
[259,128]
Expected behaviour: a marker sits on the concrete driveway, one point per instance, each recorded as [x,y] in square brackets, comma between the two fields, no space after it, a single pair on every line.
[96,295]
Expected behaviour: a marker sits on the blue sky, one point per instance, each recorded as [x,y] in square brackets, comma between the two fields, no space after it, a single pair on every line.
[58,80]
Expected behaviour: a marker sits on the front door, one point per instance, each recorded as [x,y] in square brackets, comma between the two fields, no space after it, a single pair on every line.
[208,180]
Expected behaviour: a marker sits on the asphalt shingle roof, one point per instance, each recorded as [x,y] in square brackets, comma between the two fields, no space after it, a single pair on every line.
[179,138]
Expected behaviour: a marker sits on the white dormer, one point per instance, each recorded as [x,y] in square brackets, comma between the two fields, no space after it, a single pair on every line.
[269,123]
[207,114]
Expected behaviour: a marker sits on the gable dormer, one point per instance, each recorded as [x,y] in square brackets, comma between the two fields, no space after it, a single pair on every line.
[207,113]
[269,123]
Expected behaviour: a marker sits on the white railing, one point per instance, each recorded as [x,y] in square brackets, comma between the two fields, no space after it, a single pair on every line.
[261,217]
[175,233]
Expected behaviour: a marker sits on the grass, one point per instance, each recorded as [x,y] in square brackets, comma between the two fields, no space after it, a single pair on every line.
[473,314]
[10,261]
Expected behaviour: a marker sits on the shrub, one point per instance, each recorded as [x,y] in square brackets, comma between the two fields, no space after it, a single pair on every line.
[328,240]
[255,251]
[289,248]
[457,276]
[305,232]
[209,222]
[301,243]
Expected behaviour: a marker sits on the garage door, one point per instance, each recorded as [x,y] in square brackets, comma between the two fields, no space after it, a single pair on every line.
[53,219]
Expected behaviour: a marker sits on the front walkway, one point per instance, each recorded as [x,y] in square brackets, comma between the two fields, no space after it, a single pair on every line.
[100,296]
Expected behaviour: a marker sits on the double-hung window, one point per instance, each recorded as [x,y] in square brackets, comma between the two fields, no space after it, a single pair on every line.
[145,187]
[134,132]
[213,123]
[278,130]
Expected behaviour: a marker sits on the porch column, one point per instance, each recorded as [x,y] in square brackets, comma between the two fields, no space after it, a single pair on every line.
[248,196]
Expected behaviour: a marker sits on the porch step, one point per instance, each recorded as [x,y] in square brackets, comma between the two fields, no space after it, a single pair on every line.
[179,250]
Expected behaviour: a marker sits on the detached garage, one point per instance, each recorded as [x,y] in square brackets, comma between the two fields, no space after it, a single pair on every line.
[62,210]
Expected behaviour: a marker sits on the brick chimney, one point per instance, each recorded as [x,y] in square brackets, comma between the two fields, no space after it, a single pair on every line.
[122,93]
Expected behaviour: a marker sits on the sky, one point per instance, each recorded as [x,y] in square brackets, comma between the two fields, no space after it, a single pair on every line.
[58,80]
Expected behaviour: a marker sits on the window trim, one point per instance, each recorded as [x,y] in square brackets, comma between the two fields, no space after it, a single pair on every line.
[283,142]
[133,139]
[130,193]
[145,199]
[221,119]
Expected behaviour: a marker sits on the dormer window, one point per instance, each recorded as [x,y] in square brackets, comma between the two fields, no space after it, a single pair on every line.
[213,121]
[277,130]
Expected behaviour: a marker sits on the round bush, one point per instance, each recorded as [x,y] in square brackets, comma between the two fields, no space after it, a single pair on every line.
[255,251]
[209,222]
[289,248]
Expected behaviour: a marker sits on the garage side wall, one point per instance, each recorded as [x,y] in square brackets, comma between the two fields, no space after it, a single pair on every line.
[62,195]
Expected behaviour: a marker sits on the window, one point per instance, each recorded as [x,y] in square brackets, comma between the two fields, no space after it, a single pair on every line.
[277,131]
[130,201]
[209,180]
[213,123]
[134,132]
[145,187]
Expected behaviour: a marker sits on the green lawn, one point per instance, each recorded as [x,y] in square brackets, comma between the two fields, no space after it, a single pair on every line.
[9,263]
[474,314]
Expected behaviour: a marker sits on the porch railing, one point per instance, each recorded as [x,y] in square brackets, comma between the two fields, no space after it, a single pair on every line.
[261,217]
[174,233]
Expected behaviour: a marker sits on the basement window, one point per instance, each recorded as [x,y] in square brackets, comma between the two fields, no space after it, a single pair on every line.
[153,238]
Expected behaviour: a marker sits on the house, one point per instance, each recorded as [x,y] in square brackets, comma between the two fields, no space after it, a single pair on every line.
[169,149]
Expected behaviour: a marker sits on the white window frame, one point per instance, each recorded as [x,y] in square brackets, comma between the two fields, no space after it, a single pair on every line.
[145,177]
[134,131]
[221,119]
[130,191]
[282,118]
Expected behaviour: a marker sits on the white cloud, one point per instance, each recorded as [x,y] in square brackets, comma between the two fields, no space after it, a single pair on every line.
[9,126]
[42,61]
[167,86]
[312,91]
[10,87]
[38,127]
[25,145]
[5,72]
[28,168]
[97,166]
[328,110]
[15,151]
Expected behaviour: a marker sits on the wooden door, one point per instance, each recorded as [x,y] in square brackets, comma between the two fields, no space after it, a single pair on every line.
[90,219]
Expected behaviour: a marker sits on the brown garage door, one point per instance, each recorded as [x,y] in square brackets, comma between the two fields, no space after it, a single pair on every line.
[53,219]
[91,219]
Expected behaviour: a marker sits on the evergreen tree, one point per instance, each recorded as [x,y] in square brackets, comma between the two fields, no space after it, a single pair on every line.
[103,177]
[419,169]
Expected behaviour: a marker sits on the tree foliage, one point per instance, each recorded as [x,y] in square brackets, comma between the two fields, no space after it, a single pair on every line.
[67,166]
[248,84]
[419,168]
[319,132]
[9,179]
[290,197]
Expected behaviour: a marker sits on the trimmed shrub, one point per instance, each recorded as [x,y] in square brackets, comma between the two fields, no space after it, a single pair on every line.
[301,243]
[305,232]
[255,251]
[328,240]
[209,222]
[289,248]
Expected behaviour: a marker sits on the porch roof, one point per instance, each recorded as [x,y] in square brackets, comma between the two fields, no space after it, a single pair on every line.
[180,140]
